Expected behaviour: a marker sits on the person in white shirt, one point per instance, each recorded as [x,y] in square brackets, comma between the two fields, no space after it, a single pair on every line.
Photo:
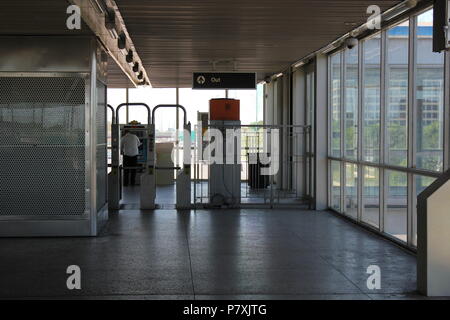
[129,145]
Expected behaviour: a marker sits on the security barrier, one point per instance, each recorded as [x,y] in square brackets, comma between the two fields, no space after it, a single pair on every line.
[273,166]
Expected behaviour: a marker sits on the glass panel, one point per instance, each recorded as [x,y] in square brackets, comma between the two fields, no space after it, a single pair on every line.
[336,185]
[165,118]
[351,103]
[395,216]
[248,105]
[429,97]
[397,95]
[335,87]
[351,190]
[260,103]
[371,196]
[198,101]
[371,99]
[422,183]
[115,97]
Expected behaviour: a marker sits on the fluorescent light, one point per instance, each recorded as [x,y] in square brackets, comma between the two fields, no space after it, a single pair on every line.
[299,64]
[99,5]
[113,33]
[279,75]
[386,16]
[328,49]
[399,9]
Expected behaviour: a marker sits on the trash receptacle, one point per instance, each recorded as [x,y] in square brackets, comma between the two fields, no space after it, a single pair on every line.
[255,179]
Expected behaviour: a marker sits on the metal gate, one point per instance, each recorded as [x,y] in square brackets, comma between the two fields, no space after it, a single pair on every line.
[287,185]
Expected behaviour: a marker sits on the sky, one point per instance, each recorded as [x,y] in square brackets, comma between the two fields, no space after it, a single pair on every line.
[192,100]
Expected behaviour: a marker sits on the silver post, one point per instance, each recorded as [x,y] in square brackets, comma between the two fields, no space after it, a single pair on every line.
[127,95]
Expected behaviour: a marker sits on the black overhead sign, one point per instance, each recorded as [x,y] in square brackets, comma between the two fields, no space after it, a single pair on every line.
[223,80]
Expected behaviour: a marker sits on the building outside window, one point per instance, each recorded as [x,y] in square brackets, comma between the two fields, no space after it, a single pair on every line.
[371,99]
[397,44]
[429,88]
[351,103]
[335,97]
[376,178]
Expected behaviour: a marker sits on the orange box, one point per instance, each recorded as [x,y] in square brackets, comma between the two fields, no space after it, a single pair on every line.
[224,109]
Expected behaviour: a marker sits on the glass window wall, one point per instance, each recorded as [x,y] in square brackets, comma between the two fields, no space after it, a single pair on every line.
[335,97]
[402,144]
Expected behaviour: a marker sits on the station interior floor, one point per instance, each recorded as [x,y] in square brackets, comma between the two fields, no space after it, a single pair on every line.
[210,254]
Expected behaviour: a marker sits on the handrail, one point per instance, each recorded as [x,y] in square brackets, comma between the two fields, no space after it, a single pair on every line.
[169,106]
[421,172]
[113,113]
[133,104]
[432,188]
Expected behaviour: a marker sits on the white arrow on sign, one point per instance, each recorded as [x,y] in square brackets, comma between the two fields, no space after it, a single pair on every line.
[201,80]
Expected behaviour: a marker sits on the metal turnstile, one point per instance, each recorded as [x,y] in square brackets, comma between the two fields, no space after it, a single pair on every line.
[183,173]
[146,161]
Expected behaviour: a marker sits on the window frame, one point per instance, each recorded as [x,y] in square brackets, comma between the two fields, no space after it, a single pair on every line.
[382,164]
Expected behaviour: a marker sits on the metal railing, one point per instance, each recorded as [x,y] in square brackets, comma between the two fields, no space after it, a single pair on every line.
[288,185]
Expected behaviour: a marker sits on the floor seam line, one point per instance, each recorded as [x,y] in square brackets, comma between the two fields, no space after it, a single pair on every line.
[342,273]
[190,260]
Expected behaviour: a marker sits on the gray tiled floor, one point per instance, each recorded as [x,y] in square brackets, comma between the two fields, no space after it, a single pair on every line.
[231,254]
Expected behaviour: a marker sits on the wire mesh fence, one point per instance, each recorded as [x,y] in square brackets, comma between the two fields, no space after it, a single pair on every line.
[273,165]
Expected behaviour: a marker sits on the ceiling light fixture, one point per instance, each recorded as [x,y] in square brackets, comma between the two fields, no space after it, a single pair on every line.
[399,9]
[129,57]
[122,41]
[299,64]
[136,67]
[110,22]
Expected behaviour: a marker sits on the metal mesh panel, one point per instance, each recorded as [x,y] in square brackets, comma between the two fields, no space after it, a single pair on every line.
[42,146]
[101,146]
